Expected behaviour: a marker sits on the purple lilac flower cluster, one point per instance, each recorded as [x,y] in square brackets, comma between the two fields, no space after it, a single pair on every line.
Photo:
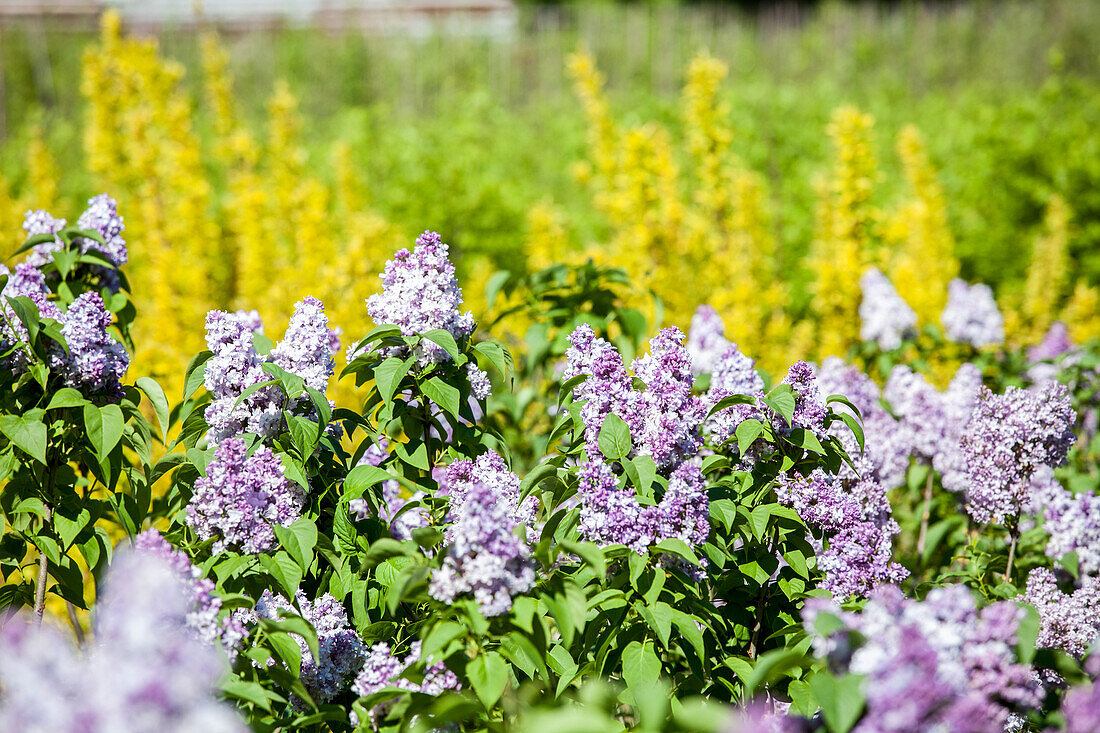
[809,404]
[202,618]
[734,373]
[1009,437]
[971,315]
[706,343]
[885,446]
[488,469]
[938,664]
[885,317]
[931,423]
[145,670]
[101,216]
[859,529]
[485,558]
[420,293]
[1068,621]
[242,498]
[1055,342]
[236,365]
[1071,520]
[382,669]
[341,650]
[95,362]
[1081,708]
[664,421]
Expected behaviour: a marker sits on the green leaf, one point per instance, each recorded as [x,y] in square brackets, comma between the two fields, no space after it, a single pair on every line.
[445,395]
[769,667]
[444,340]
[196,373]
[488,675]
[590,552]
[363,477]
[159,401]
[66,397]
[782,400]
[26,433]
[676,546]
[498,356]
[841,699]
[614,440]
[806,440]
[388,374]
[104,427]
[286,572]
[640,664]
[298,540]
[747,432]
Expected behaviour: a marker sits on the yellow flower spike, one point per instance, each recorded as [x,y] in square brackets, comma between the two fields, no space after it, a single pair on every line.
[42,172]
[1082,312]
[1048,273]
[843,247]
[924,262]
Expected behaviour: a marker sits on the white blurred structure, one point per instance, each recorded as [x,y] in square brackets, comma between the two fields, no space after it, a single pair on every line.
[407,17]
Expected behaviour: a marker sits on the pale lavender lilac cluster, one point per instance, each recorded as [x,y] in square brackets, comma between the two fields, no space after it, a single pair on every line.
[1073,523]
[242,498]
[101,216]
[95,362]
[886,446]
[236,365]
[734,373]
[1009,438]
[480,386]
[1081,709]
[144,671]
[664,420]
[885,317]
[854,517]
[382,669]
[488,469]
[706,342]
[971,315]
[937,664]
[340,648]
[931,423]
[485,559]
[202,617]
[420,293]
[1055,342]
[1068,621]
[809,403]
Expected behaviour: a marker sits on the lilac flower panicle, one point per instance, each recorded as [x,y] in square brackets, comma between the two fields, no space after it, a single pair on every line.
[480,386]
[920,409]
[305,349]
[143,671]
[937,664]
[382,669]
[485,559]
[1081,708]
[1009,437]
[664,420]
[1055,342]
[202,617]
[971,315]
[670,414]
[706,341]
[733,373]
[341,650]
[1070,622]
[857,523]
[886,442]
[1072,521]
[36,222]
[885,317]
[957,402]
[488,470]
[809,403]
[419,294]
[96,362]
[242,498]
